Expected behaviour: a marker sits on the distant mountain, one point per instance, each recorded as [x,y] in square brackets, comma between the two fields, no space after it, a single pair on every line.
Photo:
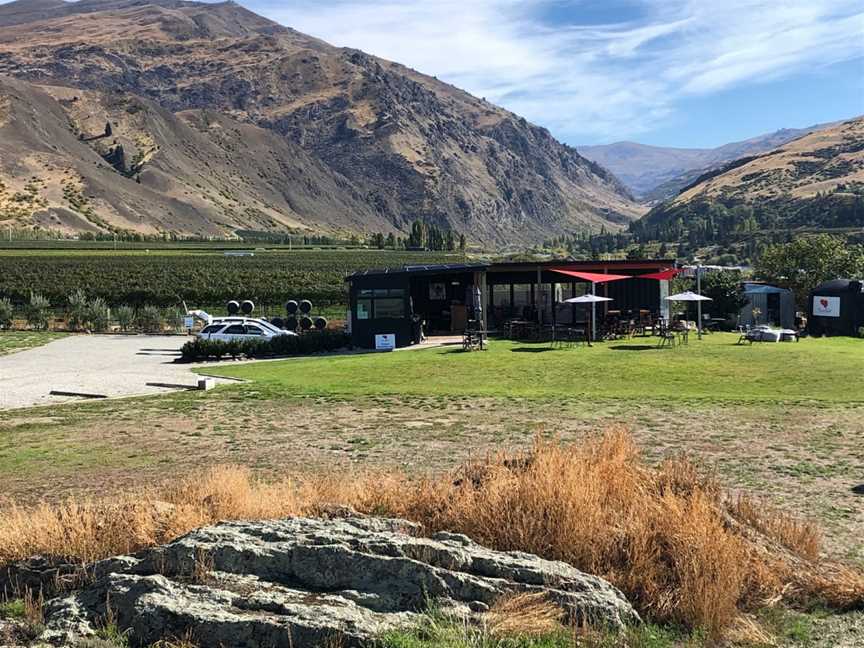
[813,182]
[223,120]
[654,173]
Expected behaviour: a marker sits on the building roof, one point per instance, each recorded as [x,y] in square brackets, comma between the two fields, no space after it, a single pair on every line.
[447,268]
[440,268]
[620,264]
[763,289]
[841,286]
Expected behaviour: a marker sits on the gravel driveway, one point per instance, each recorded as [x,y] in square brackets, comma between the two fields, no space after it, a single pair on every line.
[112,365]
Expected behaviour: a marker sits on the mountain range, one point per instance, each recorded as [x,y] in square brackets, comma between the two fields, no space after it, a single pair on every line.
[158,116]
[655,173]
[813,182]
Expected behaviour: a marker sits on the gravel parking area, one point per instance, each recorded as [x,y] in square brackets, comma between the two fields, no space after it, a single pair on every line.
[109,365]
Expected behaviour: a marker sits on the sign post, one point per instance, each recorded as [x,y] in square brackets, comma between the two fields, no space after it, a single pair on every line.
[385,342]
[826,306]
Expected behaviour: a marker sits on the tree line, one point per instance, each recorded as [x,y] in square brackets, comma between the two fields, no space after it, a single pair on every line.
[423,236]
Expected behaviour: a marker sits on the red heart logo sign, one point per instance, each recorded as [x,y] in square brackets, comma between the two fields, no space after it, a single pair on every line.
[824,303]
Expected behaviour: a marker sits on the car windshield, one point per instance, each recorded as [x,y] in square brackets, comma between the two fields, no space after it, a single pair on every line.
[268,326]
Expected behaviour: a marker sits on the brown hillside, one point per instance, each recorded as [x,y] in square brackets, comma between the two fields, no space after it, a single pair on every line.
[370,145]
[196,172]
[815,163]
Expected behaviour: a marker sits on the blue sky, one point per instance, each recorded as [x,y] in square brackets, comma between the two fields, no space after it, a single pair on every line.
[691,73]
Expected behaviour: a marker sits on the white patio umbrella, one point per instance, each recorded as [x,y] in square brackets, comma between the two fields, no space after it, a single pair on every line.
[690,296]
[593,300]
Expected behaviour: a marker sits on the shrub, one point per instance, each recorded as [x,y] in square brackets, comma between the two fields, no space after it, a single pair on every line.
[125,316]
[174,318]
[98,315]
[150,319]
[37,311]
[6,313]
[282,345]
[76,315]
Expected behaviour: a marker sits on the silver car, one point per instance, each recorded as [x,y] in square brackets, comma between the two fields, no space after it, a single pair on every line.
[227,329]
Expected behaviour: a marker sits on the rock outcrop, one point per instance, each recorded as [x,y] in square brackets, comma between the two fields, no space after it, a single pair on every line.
[304,582]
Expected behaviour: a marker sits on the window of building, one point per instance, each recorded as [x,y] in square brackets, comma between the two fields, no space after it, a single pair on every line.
[390,308]
[380,303]
[364,309]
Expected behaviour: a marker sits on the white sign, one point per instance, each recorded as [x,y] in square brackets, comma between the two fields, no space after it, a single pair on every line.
[385,342]
[189,322]
[826,306]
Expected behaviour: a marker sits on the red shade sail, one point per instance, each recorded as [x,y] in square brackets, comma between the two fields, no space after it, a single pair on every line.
[593,277]
[663,275]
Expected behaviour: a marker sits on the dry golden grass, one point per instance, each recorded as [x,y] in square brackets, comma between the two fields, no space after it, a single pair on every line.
[680,550]
[524,615]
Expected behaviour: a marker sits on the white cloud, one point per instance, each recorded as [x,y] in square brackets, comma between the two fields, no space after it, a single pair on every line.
[613,79]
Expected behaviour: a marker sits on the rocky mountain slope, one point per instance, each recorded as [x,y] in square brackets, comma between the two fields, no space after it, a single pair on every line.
[655,173]
[816,181]
[224,120]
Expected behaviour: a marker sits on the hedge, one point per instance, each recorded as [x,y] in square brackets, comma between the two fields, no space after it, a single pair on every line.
[281,345]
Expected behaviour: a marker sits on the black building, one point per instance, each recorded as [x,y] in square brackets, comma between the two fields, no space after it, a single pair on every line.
[836,308]
[446,297]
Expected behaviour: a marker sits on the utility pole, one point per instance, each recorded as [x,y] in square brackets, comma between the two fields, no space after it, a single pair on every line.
[699,303]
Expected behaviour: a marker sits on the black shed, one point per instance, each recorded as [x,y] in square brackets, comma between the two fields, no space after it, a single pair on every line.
[837,308]
[385,301]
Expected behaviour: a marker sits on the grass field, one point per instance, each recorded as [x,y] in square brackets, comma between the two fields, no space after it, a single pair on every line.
[12,341]
[714,369]
[782,422]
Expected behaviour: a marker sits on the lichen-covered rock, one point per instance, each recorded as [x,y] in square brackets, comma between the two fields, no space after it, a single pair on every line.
[301,582]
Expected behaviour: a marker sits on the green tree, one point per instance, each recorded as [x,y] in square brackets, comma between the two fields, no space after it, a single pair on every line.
[150,319]
[6,312]
[725,289]
[37,312]
[125,317]
[417,237]
[76,314]
[806,262]
[97,314]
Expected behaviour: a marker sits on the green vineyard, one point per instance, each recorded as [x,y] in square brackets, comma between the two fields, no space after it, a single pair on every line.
[198,278]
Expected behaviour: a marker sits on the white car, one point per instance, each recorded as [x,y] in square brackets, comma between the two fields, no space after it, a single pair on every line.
[240,328]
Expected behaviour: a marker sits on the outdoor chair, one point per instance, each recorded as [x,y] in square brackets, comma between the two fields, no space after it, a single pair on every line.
[474,340]
[668,338]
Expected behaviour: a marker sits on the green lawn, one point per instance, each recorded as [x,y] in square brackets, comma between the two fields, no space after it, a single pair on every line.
[12,341]
[715,368]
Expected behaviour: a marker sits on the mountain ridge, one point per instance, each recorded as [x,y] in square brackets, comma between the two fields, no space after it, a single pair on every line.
[655,173]
[405,145]
[812,182]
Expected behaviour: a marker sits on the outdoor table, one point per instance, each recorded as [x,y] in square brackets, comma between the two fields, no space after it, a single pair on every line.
[523,330]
